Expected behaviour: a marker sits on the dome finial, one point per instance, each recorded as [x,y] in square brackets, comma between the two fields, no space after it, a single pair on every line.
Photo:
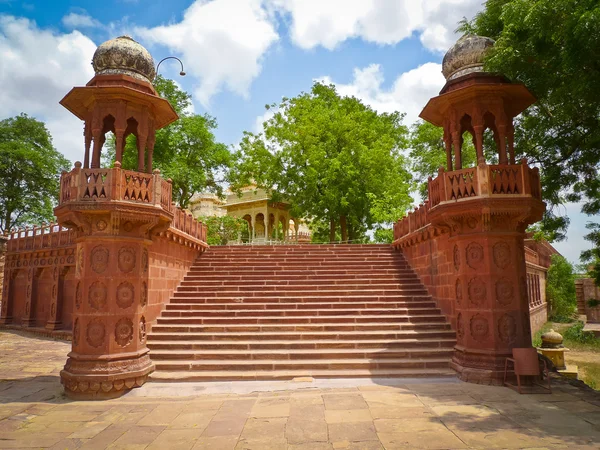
[466,56]
[123,55]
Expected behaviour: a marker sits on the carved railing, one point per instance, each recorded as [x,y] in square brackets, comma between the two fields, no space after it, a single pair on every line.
[186,223]
[104,185]
[41,237]
[465,184]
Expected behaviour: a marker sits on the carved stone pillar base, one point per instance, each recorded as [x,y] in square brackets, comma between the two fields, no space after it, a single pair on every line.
[101,378]
[54,325]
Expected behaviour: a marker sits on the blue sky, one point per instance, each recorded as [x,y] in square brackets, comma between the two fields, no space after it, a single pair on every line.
[239,55]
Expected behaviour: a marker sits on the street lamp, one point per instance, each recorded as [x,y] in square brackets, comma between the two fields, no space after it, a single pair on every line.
[182,73]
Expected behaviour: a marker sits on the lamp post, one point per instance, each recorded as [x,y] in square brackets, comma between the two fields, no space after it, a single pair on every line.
[182,73]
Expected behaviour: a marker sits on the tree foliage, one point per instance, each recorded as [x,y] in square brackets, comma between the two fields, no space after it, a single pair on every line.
[553,47]
[185,151]
[222,230]
[30,170]
[335,159]
[560,289]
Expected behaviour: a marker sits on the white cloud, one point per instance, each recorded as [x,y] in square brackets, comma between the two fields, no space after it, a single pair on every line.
[328,23]
[409,93]
[222,43]
[76,21]
[38,68]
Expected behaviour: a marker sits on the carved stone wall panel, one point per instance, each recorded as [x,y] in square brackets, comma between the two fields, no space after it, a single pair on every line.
[142,330]
[125,294]
[97,295]
[474,255]
[96,333]
[99,259]
[126,259]
[507,328]
[124,332]
[479,328]
[456,257]
[505,292]
[477,291]
[502,254]
[458,291]
[76,333]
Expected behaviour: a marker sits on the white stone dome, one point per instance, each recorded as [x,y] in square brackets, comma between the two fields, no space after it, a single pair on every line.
[466,56]
[125,56]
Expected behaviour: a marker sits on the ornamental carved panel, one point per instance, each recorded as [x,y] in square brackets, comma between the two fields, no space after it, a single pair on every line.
[79,264]
[142,331]
[474,255]
[501,251]
[504,292]
[125,294]
[145,260]
[144,294]
[99,258]
[456,257]
[507,329]
[95,333]
[76,333]
[124,332]
[78,295]
[126,259]
[458,291]
[101,225]
[480,328]
[477,291]
[97,294]
[53,310]
[460,327]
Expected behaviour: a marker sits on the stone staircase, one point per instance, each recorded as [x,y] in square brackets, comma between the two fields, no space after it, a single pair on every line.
[280,312]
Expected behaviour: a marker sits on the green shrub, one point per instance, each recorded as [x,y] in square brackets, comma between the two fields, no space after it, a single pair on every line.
[560,289]
[223,229]
[576,334]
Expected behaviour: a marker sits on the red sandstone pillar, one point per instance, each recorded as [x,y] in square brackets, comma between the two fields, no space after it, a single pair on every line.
[489,281]
[54,321]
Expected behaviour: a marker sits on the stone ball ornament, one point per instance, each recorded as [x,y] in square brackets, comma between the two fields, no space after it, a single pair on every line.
[466,56]
[125,56]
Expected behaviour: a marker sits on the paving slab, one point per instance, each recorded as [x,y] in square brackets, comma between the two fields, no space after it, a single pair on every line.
[365,414]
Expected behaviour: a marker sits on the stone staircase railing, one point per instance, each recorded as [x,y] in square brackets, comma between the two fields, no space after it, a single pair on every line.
[47,236]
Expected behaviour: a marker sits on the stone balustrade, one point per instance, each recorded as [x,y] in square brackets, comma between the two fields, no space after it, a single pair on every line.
[476,182]
[106,185]
[46,236]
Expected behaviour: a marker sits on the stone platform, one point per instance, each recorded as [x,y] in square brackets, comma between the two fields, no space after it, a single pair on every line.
[326,414]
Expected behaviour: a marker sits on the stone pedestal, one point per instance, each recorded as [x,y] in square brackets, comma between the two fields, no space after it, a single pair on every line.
[109,354]
[488,276]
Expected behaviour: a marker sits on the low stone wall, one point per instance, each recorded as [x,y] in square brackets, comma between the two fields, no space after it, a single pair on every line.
[538,316]
[429,256]
[586,291]
[169,260]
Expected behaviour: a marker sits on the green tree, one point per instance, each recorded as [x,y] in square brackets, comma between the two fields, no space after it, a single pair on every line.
[332,157]
[553,47]
[560,289]
[222,230]
[185,151]
[30,170]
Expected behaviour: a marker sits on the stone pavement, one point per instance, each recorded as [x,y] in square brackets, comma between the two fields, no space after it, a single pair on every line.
[340,414]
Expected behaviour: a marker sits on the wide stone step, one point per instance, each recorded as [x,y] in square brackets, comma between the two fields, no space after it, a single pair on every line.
[251,287]
[294,355]
[189,291]
[213,277]
[314,364]
[286,271]
[298,318]
[238,306]
[428,312]
[298,284]
[166,341]
[196,298]
[161,333]
[188,326]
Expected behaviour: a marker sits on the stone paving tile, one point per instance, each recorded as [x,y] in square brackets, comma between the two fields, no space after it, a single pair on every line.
[35,414]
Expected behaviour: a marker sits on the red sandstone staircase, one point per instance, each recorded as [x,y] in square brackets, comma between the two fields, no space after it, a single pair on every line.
[265,312]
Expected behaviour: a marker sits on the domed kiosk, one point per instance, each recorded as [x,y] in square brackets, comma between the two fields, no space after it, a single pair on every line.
[121,99]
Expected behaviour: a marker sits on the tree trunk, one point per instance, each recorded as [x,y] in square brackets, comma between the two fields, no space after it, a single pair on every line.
[332,231]
[344,228]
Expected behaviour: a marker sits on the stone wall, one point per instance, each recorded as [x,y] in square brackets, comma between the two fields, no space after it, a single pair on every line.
[430,259]
[40,292]
[169,261]
[586,291]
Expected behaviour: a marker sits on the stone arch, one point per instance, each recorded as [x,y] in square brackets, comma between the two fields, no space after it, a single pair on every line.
[247,237]
[259,226]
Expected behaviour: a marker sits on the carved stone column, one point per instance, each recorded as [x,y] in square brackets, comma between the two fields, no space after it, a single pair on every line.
[109,354]
[490,288]
[28,320]
[54,321]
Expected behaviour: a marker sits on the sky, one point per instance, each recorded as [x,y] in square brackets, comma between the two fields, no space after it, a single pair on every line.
[239,55]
